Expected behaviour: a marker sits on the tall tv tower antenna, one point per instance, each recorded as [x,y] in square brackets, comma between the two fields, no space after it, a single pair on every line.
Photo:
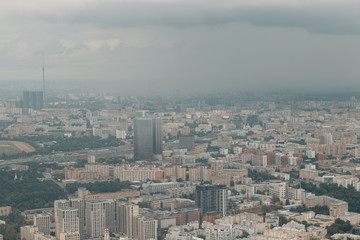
[43,75]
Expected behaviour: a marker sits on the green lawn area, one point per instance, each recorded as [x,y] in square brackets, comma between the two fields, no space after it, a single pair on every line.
[8,150]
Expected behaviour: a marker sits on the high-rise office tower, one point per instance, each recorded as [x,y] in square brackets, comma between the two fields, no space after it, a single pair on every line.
[26,99]
[211,199]
[157,139]
[42,221]
[143,138]
[33,99]
[95,218]
[147,137]
[126,215]
[39,104]
[66,221]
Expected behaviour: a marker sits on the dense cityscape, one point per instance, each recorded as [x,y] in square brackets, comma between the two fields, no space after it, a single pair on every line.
[179,120]
[224,166]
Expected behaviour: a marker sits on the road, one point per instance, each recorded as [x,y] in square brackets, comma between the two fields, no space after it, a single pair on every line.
[47,176]
[72,156]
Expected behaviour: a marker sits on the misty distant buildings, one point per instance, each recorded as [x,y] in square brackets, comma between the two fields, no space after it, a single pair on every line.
[33,99]
[147,137]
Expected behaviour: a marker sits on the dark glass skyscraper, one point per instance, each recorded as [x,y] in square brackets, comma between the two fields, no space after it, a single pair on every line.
[33,99]
[143,138]
[157,141]
[147,138]
[26,99]
[211,199]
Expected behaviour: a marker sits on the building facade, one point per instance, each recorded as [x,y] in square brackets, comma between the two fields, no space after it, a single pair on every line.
[211,199]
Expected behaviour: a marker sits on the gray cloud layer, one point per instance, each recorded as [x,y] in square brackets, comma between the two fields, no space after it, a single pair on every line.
[172,44]
[340,17]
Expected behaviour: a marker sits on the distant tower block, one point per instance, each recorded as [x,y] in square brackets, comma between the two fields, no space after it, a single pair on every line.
[157,138]
[43,75]
[91,158]
[147,137]
[33,99]
[143,138]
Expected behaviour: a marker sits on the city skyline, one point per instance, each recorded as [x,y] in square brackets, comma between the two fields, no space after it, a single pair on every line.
[226,166]
[179,119]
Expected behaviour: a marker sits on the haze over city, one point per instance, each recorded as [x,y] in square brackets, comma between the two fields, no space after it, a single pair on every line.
[155,46]
[179,120]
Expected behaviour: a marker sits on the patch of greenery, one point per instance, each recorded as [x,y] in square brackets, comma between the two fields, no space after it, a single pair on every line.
[111,160]
[144,204]
[260,176]
[27,191]
[202,160]
[11,230]
[317,209]
[99,187]
[9,150]
[349,195]
[339,226]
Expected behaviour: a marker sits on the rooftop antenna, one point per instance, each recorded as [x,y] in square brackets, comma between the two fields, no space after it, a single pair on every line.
[43,75]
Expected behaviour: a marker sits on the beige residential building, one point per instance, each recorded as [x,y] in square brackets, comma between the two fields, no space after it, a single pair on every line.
[75,203]
[147,228]
[67,220]
[126,215]
[95,218]
[5,211]
[308,174]
[42,221]
[79,204]
[33,233]
[110,210]
[336,207]
[70,236]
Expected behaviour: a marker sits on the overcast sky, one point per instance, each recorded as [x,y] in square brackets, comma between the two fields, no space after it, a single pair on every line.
[192,45]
